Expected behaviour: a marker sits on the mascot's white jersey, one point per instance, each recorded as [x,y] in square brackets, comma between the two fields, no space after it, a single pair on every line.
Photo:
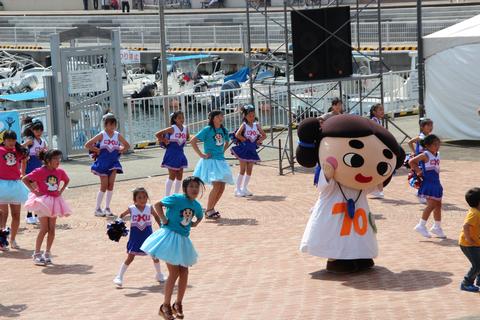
[331,233]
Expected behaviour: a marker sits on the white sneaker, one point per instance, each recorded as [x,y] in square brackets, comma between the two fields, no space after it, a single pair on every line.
[160,277]
[47,258]
[239,193]
[4,248]
[30,220]
[38,259]
[377,195]
[35,220]
[437,231]
[422,230]
[108,213]
[99,213]
[14,245]
[422,200]
[246,192]
[118,281]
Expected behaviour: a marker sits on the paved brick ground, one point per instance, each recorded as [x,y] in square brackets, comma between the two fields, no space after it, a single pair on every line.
[250,266]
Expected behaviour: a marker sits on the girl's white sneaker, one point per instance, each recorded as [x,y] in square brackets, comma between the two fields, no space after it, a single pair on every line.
[239,193]
[38,259]
[160,277]
[118,281]
[47,258]
[246,192]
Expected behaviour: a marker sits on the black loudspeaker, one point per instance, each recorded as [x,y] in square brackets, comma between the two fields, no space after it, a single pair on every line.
[333,58]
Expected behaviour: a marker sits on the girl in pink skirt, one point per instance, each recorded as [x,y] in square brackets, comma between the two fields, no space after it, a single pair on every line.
[46,200]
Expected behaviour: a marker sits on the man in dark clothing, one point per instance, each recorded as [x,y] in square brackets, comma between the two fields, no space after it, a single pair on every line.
[125,5]
[85,4]
[95,4]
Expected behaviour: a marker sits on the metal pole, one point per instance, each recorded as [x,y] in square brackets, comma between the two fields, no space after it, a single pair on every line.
[249,52]
[266,25]
[163,55]
[358,48]
[289,97]
[271,112]
[420,66]
[380,52]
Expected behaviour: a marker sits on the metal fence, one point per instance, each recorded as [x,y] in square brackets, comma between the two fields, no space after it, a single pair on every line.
[146,116]
[223,36]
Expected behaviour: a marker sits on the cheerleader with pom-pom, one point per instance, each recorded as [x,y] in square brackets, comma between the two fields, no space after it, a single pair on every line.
[46,201]
[249,136]
[13,193]
[174,138]
[140,229]
[172,243]
[107,145]
[33,141]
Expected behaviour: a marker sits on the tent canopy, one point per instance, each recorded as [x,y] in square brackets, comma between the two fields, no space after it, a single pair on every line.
[452,74]
[465,32]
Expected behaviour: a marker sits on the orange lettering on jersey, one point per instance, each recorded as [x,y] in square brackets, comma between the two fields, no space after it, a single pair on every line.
[341,207]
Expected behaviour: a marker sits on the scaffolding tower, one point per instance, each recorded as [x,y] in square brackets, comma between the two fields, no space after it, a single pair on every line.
[271,58]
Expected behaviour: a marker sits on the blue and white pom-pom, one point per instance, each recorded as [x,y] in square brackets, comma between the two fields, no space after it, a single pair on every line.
[116,230]
[4,237]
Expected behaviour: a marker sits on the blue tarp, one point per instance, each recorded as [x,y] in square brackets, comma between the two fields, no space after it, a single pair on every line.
[189,57]
[240,76]
[25,96]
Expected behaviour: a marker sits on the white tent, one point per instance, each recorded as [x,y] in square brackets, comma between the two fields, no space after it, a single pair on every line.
[452,79]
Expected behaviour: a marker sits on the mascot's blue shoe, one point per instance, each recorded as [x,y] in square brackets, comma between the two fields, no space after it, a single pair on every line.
[468,287]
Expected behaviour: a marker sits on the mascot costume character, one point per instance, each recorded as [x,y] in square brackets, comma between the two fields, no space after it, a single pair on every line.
[355,156]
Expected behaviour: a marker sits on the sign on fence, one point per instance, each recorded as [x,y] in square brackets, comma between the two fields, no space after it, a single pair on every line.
[83,81]
[129,56]
[10,120]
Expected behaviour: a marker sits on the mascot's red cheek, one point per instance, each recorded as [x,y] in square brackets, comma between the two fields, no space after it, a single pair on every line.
[333,162]
[362,179]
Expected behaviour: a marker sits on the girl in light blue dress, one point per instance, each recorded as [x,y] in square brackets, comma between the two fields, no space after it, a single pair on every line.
[171,243]
[212,168]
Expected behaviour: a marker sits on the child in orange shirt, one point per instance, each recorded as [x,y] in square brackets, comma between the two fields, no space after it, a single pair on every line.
[470,241]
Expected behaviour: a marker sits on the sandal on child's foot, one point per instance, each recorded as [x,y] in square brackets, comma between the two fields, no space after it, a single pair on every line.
[212,214]
[178,310]
[166,312]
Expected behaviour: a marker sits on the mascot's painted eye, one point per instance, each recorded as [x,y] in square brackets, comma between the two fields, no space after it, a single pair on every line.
[353,160]
[383,168]
[388,154]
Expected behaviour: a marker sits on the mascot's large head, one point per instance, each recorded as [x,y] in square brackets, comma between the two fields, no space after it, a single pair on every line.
[363,153]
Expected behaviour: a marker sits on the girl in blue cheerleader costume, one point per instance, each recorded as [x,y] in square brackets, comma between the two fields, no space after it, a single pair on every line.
[250,135]
[33,141]
[174,138]
[171,243]
[108,145]
[212,168]
[427,166]
[141,213]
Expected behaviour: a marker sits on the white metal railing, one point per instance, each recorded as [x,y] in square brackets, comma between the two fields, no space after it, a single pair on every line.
[222,36]
[146,116]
